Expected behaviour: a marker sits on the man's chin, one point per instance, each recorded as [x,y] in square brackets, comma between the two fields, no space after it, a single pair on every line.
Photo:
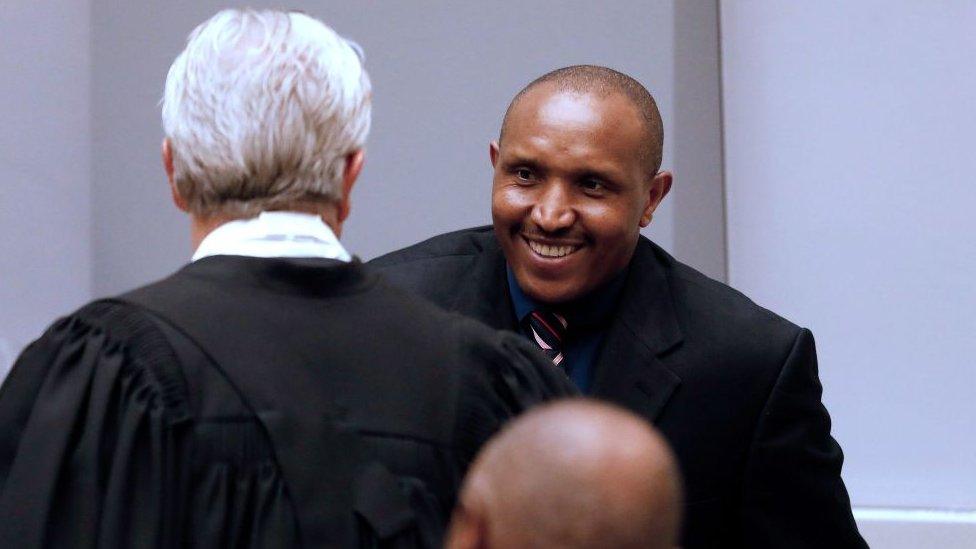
[551,292]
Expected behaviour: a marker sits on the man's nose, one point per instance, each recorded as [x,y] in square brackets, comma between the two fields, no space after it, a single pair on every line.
[554,210]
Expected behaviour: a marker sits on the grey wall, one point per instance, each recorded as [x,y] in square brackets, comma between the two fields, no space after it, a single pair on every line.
[848,133]
[698,196]
[443,74]
[45,249]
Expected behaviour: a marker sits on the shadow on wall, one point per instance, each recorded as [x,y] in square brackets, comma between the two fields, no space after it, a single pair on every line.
[6,358]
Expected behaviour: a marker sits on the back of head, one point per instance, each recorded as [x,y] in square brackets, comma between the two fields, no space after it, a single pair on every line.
[575,474]
[261,110]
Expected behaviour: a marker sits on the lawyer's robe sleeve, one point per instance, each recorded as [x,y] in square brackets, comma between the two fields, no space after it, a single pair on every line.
[98,447]
[509,376]
[795,496]
[87,450]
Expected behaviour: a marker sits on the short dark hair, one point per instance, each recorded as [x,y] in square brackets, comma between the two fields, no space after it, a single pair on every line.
[603,81]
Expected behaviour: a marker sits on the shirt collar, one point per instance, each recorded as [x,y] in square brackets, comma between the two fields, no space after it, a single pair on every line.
[274,234]
[592,310]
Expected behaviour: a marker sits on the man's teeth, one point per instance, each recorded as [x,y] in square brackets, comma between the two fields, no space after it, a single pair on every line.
[551,251]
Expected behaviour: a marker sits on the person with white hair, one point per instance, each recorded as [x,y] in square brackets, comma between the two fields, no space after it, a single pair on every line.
[272,392]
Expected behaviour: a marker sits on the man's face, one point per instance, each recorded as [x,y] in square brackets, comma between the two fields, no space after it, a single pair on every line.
[571,191]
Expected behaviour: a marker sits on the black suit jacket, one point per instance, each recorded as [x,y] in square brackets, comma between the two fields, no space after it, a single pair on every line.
[732,386]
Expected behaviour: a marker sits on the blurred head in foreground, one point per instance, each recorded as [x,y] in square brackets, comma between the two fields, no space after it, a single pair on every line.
[575,474]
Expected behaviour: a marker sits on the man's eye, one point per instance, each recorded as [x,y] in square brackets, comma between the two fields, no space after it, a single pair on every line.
[594,185]
[524,174]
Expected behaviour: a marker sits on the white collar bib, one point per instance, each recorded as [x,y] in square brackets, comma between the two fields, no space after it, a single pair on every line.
[274,234]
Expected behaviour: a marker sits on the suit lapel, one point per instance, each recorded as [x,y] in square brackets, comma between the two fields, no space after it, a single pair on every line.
[486,297]
[628,370]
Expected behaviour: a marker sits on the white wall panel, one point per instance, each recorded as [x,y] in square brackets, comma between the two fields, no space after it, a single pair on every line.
[849,138]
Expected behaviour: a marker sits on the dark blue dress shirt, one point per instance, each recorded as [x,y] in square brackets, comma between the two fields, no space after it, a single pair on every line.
[587,321]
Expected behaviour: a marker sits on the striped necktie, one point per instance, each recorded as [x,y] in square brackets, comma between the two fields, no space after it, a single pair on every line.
[549,332]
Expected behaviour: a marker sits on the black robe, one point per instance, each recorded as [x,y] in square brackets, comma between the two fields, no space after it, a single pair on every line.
[249,402]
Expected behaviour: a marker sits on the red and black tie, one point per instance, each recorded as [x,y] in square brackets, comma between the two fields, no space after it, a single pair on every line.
[549,332]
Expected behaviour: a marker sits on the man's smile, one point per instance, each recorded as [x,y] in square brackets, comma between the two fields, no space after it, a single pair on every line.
[550,249]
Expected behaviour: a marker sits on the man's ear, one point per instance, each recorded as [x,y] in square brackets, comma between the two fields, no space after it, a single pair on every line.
[493,153]
[167,153]
[354,166]
[658,189]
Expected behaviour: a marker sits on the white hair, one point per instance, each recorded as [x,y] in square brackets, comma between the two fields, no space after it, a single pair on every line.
[261,110]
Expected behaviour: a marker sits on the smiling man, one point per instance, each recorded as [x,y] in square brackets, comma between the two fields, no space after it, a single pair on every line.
[733,387]
[575,182]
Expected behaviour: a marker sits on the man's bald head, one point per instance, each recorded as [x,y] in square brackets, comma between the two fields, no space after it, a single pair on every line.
[574,474]
[602,82]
